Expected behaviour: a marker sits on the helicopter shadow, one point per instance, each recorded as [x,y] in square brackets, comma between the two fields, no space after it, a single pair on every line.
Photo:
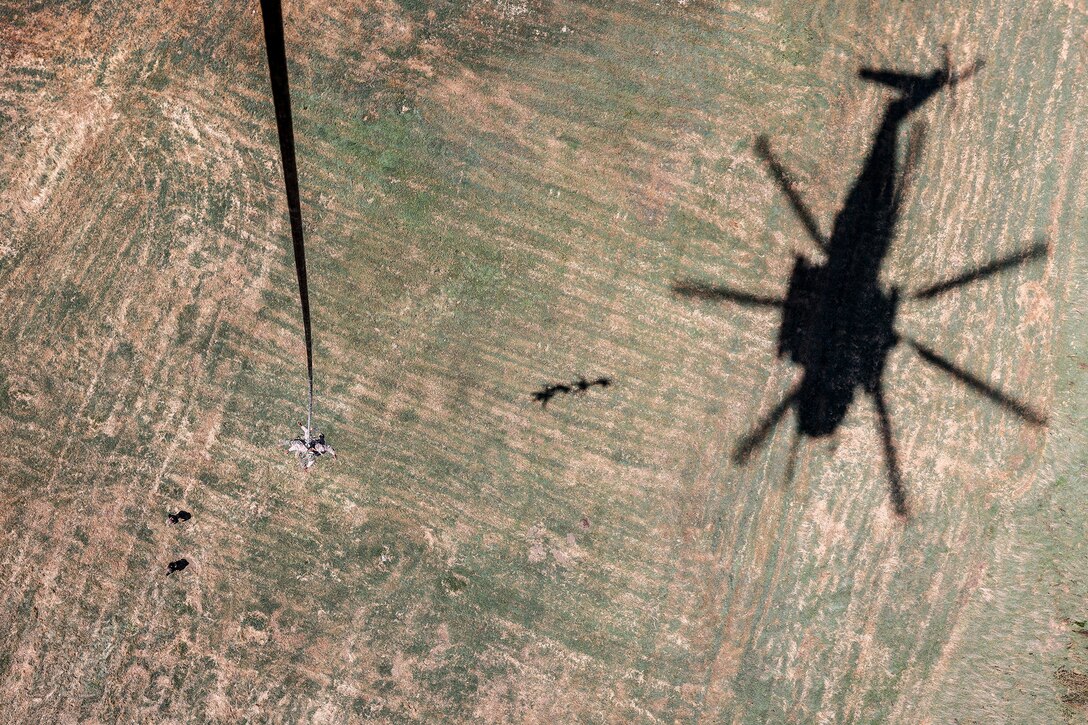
[837,319]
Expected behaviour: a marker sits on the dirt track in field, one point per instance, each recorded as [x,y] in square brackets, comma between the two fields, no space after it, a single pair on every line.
[499,195]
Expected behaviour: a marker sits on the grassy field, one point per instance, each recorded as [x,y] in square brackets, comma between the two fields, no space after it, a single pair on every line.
[497,195]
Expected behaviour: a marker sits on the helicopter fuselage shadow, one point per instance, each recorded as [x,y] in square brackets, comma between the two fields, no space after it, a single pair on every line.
[838,322]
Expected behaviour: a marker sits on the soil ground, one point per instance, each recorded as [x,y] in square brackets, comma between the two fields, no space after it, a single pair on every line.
[499,194]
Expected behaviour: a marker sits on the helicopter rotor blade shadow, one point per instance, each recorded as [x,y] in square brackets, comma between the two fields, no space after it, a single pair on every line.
[749,443]
[791,460]
[717,293]
[891,456]
[1036,251]
[782,178]
[979,386]
[955,79]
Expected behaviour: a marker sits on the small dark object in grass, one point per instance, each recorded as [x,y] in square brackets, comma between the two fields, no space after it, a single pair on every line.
[548,392]
[176,566]
[581,385]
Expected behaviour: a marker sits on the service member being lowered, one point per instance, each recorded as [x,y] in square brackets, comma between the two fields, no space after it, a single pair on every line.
[309,447]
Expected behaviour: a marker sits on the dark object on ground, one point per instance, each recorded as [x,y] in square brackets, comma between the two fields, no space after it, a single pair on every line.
[179,516]
[548,392]
[580,385]
[176,566]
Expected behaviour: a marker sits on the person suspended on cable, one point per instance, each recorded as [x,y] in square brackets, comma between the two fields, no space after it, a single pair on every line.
[309,447]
